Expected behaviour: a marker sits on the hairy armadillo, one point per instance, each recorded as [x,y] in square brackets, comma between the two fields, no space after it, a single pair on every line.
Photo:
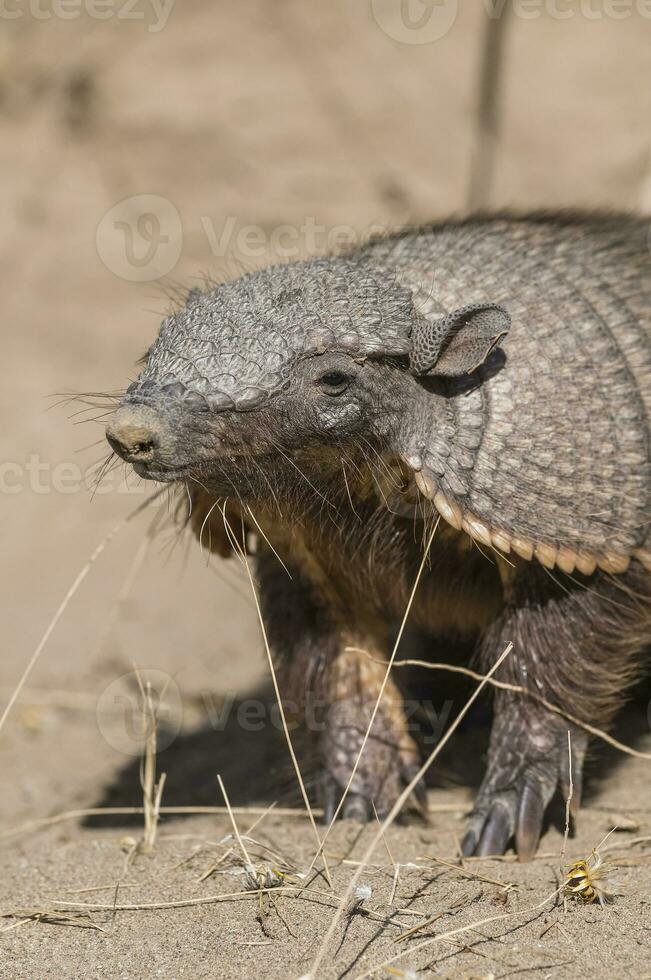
[494,371]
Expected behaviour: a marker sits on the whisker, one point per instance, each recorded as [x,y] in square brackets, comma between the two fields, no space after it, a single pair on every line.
[91,445]
[205,521]
[254,519]
[352,505]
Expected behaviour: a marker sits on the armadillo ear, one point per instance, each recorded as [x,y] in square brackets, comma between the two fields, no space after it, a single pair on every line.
[458,342]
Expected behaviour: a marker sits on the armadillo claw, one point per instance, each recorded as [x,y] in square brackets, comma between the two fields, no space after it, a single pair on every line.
[531,811]
[356,806]
[363,806]
[494,823]
[520,782]
[490,828]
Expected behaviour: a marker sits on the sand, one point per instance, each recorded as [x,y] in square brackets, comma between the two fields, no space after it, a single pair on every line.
[47,871]
[265,115]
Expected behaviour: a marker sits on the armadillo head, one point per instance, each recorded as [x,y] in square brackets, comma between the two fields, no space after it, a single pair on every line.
[287,369]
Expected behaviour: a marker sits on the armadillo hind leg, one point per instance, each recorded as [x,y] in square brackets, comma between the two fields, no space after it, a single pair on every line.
[577,648]
[528,760]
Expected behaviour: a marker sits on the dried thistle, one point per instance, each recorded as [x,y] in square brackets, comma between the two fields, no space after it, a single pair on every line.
[591,880]
[361,895]
[264,878]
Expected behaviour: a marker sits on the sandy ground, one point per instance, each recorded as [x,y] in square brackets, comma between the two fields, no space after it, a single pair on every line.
[66,868]
[308,122]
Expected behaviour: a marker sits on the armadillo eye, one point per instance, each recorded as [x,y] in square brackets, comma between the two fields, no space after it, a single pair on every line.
[334,382]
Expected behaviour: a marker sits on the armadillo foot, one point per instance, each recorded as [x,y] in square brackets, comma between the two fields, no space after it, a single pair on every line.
[362,807]
[387,765]
[528,760]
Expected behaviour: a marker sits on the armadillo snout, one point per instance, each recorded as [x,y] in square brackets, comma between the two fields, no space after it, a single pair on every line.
[136,433]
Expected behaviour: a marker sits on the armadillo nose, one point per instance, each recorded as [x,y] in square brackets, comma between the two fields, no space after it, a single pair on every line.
[133,434]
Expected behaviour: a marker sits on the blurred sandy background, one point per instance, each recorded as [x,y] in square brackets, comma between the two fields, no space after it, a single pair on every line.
[137,152]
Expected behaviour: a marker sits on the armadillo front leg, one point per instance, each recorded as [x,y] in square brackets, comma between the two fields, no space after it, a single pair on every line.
[332,678]
[389,759]
[577,646]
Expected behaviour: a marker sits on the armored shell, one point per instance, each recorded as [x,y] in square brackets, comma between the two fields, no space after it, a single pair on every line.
[550,453]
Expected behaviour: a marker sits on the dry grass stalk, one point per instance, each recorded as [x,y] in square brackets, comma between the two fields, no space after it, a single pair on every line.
[118,602]
[397,806]
[568,802]
[113,811]
[623,844]
[472,927]
[270,870]
[394,883]
[79,919]
[507,886]
[517,689]
[428,922]
[315,895]
[247,860]
[385,841]
[445,936]
[215,864]
[151,790]
[395,864]
[237,547]
[69,595]
[17,924]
